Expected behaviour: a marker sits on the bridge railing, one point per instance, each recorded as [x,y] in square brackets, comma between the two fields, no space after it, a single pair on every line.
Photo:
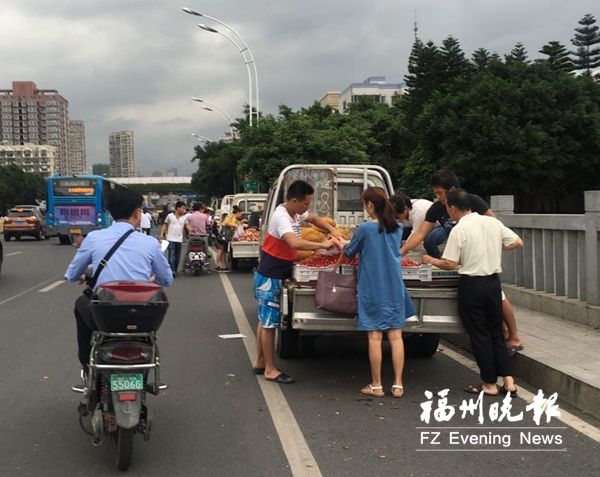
[561,254]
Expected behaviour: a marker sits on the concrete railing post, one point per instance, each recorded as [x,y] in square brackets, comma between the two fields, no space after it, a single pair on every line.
[592,258]
[502,204]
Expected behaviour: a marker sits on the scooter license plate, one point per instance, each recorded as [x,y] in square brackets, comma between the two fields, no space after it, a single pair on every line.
[126,382]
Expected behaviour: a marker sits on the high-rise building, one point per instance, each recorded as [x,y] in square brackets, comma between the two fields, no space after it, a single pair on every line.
[35,116]
[172,172]
[120,151]
[76,163]
[29,157]
[101,170]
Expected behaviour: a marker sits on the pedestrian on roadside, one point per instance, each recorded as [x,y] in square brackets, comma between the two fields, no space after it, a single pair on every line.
[277,256]
[163,214]
[433,236]
[411,212]
[229,226]
[137,259]
[474,249]
[173,227]
[384,304]
[146,221]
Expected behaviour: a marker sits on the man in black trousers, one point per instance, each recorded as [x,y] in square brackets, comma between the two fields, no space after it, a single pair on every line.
[474,249]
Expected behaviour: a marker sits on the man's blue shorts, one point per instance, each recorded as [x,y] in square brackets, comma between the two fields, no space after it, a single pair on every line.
[267,292]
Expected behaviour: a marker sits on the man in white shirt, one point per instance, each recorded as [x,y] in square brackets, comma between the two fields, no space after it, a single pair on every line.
[173,226]
[474,249]
[410,211]
[146,221]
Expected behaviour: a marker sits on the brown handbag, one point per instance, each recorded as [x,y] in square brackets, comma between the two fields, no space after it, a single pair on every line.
[336,292]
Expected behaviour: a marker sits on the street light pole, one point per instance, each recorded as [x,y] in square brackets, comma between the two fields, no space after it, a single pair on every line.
[214,106]
[242,51]
[200,137]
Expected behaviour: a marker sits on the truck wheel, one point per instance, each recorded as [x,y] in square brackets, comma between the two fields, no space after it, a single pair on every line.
[6,237]
[235,264]
[428,344]
[64,240]
[286,343]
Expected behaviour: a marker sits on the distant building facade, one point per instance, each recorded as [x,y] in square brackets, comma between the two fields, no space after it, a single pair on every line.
[35,116]
[172,172]
[374,87]
[331,98]
[101,170]
[121,154]
[29,157]
[77,161]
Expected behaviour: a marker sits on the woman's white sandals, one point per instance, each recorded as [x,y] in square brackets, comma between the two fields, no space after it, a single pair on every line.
[397,390]
[370,390]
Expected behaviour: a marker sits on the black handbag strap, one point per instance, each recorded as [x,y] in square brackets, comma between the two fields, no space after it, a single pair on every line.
[104,261]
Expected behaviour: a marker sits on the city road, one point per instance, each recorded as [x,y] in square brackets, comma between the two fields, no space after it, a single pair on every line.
[218,419]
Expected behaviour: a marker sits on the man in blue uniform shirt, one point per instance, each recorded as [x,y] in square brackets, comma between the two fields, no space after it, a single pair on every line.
[138,257]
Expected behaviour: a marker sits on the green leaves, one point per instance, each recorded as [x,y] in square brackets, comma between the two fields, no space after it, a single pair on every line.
[18,187]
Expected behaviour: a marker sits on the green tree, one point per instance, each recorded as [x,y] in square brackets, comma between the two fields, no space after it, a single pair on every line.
[558,56]
[18,187]
[587,56]
[452,60]
[518,55]
[481,58]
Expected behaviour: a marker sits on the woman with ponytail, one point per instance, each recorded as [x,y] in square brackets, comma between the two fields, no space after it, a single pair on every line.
[383,301]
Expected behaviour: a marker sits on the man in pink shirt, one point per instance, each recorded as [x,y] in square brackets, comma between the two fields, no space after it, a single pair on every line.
[197,226]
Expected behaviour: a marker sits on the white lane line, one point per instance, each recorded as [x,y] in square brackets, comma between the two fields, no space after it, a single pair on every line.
[52,286]
[34,287]
[13,253]
[566,417]
[302,462]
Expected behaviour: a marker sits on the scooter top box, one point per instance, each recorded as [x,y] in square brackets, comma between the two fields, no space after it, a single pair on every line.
[129,307]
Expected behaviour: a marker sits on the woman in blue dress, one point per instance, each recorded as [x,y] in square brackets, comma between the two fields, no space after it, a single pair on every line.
[383,301]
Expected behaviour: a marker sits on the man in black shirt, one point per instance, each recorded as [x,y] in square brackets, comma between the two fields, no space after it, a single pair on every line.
[431,235]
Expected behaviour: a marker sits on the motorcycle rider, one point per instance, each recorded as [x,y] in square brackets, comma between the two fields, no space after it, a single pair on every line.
[138,257]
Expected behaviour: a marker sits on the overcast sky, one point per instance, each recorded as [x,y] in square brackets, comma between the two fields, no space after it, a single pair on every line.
[135,64]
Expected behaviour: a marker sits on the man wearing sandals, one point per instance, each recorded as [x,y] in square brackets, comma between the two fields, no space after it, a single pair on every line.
[277,255]
[474,249]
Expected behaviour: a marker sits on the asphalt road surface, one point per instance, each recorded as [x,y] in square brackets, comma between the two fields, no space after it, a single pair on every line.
[218,419]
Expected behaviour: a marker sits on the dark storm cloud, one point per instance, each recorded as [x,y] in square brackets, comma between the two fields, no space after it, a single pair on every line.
[134,64]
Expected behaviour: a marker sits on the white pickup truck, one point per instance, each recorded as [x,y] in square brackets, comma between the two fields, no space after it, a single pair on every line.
[245,249]
[338,194]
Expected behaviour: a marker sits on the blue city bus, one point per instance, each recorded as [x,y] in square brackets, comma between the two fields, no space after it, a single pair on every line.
[77,205]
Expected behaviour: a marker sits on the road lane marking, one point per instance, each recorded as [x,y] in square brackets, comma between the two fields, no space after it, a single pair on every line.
[52,286]
[569,419]
[302,462]
[13,253]
[34,287]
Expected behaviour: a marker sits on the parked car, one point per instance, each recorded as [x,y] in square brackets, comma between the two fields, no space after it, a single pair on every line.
[25,220]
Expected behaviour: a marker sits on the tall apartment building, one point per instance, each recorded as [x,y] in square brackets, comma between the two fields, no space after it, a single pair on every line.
[76,163]
[35,116]
[29,157]
[120,152]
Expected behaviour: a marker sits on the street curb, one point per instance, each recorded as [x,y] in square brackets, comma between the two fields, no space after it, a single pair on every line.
[574,391]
